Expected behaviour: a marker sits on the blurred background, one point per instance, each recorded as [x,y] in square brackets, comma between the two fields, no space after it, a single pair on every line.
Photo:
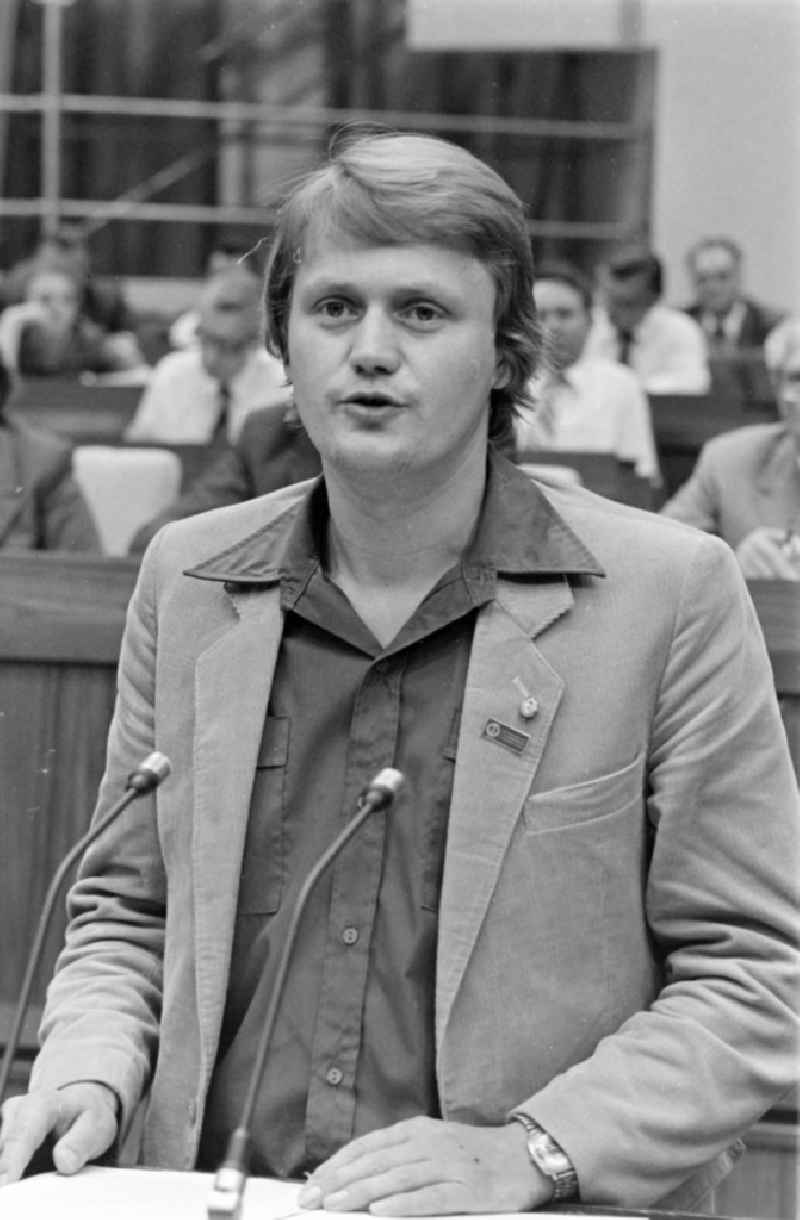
[169,125]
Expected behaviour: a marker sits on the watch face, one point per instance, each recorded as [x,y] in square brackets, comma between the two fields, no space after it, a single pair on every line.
[550,1159]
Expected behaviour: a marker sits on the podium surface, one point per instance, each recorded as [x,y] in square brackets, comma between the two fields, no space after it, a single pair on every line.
[128,1194]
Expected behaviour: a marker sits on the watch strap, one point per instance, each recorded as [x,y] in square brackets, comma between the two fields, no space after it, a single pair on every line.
[549,1158]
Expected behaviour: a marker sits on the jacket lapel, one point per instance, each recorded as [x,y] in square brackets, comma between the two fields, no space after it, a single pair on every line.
[232,684]
[492,778]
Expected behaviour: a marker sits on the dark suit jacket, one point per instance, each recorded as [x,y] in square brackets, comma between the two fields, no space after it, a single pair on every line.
[271,452]
[42,507]
[758,321]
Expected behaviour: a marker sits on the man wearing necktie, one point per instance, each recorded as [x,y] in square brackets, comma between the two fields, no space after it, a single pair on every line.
[203,394]
[664,348]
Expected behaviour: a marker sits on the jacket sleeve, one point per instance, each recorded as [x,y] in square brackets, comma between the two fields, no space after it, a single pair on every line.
[697,501]
[103,1005]
[678,1082]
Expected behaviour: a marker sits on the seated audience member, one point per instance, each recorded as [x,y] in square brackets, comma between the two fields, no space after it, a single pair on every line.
[746,484]
[204,393]
[582,403]
[48,335]
[730,320]
[222,257]
[271,451]
[102,300]
[41,506]
[664,348]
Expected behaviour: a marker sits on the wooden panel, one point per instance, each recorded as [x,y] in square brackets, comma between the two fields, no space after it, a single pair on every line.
[777,604]
[62,608]
[61,620]
[72,409]
[763,1185]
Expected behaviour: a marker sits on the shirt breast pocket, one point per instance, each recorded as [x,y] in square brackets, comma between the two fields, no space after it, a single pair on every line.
[264,860]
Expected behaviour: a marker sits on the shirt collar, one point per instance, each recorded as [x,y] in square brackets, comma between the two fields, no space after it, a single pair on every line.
[519,534]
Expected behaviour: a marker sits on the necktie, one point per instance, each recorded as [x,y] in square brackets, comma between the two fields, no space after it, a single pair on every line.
[223,411]
[718,335]
[624,345]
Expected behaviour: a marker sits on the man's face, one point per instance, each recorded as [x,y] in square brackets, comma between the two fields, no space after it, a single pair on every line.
[57,296]
[564,320]
[391,351]
[787,385]
[627,300]
[716,279]
[225,340]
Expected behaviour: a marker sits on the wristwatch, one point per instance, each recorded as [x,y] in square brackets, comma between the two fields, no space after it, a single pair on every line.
[549,1158]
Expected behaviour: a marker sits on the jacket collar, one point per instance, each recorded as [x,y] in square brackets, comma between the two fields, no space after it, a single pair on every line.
[520,534]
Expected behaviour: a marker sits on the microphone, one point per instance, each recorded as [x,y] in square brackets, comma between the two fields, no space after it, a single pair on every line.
[227,1192]
[147,776]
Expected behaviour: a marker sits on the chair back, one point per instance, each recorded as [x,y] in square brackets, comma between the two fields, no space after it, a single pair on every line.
[125,487]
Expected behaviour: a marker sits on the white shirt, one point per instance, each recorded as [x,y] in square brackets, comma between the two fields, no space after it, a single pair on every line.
[668,353]
[597,405]
[181,404]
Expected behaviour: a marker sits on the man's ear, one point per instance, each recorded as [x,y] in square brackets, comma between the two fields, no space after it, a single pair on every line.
[502,374]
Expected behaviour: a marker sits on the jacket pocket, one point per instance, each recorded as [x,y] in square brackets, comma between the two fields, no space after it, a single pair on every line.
[575,804]
[264,859]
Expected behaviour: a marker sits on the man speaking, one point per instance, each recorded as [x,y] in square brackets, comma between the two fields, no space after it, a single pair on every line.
[564,965]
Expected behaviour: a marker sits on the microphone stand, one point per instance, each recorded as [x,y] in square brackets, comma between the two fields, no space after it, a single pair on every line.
[145,778]
[227,1192]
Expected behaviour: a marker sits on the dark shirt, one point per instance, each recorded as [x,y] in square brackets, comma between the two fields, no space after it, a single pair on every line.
[353,1047]
[41,354]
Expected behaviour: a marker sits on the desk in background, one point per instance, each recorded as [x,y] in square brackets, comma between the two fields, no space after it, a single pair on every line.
[777,604]
[82,413]
[601,472]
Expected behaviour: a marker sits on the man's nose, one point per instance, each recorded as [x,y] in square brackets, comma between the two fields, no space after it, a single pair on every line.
[374,348]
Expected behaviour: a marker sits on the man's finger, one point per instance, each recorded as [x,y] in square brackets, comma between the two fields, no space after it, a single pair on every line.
[386,1184]
[26,1123]
[439,1199]
[87,1138]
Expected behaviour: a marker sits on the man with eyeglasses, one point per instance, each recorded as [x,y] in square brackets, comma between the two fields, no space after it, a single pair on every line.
[203,394]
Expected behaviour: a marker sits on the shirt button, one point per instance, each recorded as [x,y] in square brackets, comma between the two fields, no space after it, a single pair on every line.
[528,708]
[334,1076]
[350,936]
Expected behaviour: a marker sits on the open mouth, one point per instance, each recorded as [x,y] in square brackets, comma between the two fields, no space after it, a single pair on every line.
[372,400]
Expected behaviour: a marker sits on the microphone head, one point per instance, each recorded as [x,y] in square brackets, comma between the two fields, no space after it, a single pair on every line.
[151,771]
[388,783]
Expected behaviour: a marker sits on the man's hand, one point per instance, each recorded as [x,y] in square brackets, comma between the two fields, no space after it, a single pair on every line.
[765,555]
[426,1167]
[82,1116]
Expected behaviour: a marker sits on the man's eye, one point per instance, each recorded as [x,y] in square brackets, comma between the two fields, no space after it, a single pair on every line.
[335,309]
[423,313]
